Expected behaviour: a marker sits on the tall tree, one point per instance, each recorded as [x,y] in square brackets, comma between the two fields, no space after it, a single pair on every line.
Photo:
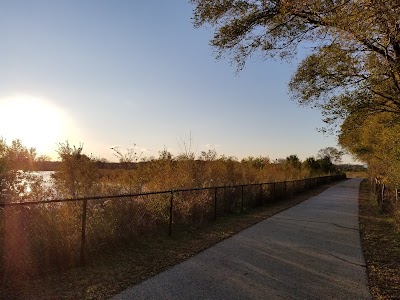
[334,154]
[354,64]
[293,161]
[375,139]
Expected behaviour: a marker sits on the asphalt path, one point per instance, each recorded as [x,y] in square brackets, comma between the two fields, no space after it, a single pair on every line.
[310,251]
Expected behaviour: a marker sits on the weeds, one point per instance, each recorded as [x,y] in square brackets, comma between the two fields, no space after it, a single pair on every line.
[50,236]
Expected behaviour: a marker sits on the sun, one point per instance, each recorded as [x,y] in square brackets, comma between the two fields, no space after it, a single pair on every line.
[35,121]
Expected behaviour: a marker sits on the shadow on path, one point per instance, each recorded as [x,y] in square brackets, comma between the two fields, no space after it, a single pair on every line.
[310,251]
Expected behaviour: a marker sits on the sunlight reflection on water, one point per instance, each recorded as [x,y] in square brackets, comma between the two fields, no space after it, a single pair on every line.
[47,179]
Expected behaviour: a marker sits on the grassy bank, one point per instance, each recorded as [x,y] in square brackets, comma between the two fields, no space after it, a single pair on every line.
[380,237]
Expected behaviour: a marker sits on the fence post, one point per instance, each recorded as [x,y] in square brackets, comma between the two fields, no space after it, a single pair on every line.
[261,194]
[273,193]
[215,203]
[285,189]
[3,242]
[241,205]
[83,232]
[292,192]
[171,207]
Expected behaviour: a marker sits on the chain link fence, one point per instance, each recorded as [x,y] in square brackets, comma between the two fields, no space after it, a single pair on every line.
[387,196]
[49,236]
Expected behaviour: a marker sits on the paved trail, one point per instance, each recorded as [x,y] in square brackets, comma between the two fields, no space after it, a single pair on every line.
[310,251]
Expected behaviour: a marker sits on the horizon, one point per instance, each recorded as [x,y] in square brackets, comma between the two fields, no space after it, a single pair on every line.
[110,77]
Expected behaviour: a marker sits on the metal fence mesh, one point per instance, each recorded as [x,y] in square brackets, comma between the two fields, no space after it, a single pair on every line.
[42,237]
[114,223]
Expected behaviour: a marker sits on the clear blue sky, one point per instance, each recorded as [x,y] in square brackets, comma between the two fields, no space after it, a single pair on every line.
[125,72]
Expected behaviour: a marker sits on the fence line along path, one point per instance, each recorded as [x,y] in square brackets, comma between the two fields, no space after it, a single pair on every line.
[310,251]
[46,236]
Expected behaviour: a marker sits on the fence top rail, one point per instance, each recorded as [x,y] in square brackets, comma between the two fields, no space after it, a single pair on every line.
[2,204]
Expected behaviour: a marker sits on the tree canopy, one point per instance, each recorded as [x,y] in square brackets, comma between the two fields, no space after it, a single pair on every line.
[351,73]
[354,63]
[335,155]
[375,139]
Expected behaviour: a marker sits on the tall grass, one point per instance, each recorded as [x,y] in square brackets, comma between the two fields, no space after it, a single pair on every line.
[45,238]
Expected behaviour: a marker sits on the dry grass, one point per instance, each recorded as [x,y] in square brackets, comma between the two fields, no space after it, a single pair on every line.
[115,272]
[380,237]
[356,174]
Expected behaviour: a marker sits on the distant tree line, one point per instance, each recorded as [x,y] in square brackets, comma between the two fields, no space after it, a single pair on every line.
[77,174]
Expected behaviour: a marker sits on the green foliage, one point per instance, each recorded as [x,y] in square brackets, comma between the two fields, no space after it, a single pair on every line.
[335,155]
[352,72]
[293,161]
[312,164]
[355,64]
[375,139]
[324,164]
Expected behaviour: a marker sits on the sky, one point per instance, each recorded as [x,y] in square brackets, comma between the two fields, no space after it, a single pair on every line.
[138,74]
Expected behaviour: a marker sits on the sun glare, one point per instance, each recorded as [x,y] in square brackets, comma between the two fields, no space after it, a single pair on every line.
[35,121]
